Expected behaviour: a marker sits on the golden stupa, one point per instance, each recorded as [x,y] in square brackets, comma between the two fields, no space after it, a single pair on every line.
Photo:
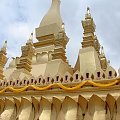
[41,85]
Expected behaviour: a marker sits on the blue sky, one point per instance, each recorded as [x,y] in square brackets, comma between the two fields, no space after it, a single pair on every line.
[18,18]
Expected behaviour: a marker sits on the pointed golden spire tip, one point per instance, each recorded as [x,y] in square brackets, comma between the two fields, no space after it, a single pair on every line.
[88,15]
[5,45]
[30,40]
[88,10]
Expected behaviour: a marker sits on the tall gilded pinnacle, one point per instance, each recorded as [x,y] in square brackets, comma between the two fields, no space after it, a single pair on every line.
[3,59]
[27,53]
[88,59]
[52,22]
[89,30]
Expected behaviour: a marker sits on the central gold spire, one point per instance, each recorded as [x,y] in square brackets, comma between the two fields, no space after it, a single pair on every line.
[52,22]
[53,15]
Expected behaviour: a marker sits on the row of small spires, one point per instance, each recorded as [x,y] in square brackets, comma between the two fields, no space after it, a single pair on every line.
[30,40]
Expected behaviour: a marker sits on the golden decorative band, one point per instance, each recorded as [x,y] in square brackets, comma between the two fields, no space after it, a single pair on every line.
[16,90]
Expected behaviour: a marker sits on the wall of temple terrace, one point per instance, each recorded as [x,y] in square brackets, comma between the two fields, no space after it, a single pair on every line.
[67,108]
